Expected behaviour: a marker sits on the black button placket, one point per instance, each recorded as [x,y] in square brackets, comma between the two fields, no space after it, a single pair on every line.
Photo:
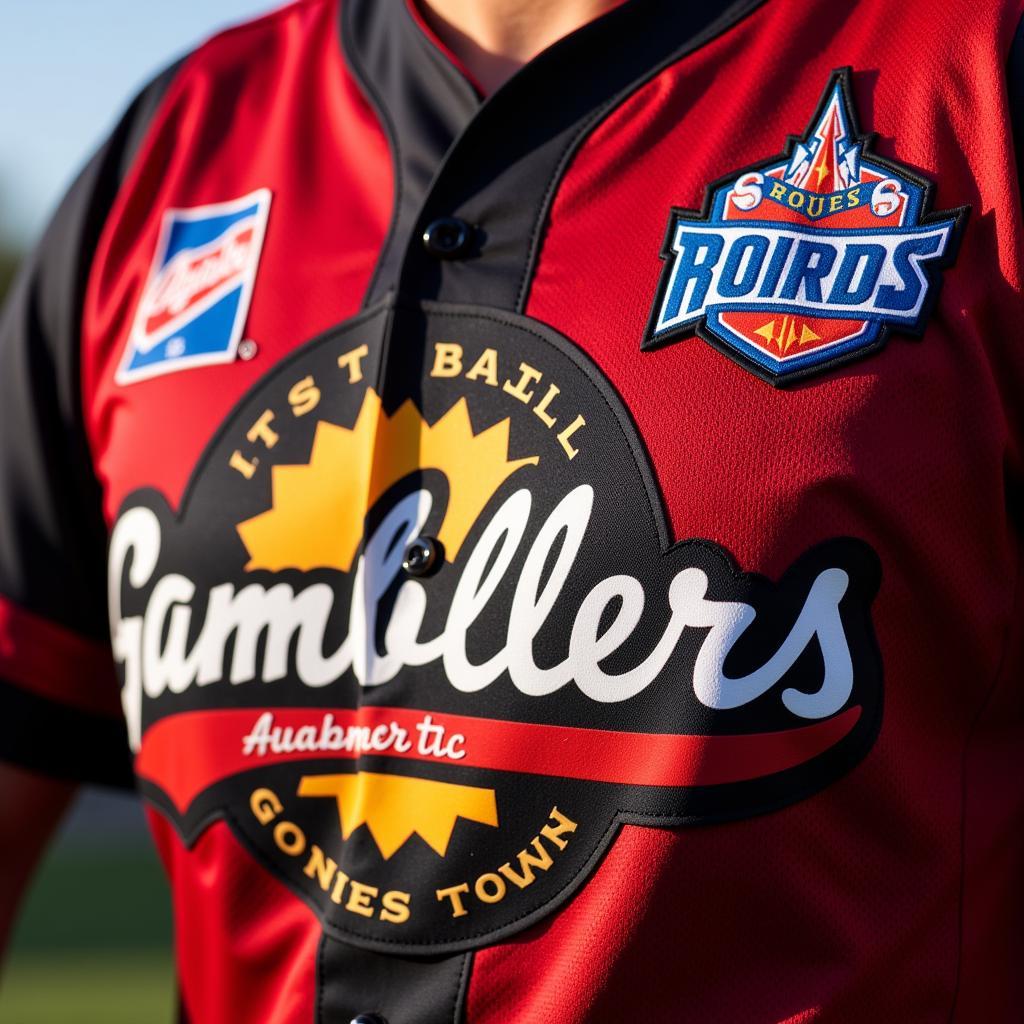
[473,186]
[498,162]
[423,104]
[449,238]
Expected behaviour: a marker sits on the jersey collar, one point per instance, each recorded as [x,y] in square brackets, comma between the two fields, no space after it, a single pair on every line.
[496,162]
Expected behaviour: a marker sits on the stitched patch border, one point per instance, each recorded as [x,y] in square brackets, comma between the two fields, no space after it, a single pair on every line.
[808,260]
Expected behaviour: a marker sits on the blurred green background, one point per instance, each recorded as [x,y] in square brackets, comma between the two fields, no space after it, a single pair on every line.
[93,943]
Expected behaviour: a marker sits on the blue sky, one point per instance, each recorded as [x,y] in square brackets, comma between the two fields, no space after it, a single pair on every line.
[67,69]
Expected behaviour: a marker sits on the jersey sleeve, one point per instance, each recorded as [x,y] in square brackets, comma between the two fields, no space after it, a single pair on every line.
[1015,88]
[59,703]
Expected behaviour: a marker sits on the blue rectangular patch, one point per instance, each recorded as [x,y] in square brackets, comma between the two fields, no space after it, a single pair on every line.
[195,301]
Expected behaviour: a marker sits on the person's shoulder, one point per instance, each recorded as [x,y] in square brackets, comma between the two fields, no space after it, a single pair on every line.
[263,41]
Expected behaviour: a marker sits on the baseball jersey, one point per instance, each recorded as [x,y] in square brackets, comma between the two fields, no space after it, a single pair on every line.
[551,555]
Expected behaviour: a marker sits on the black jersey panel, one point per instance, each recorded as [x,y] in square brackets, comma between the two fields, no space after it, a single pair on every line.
[52,534]
[496,165]
[62,742]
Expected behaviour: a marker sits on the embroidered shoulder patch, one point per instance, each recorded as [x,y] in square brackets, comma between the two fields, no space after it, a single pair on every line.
[194,304]
[809,259]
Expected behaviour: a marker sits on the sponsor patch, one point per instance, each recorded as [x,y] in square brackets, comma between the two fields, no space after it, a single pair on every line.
[194,304]
[809,259]
[436,754]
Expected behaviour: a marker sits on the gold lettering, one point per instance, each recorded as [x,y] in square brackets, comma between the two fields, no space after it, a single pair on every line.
[497,894]
[853,198]
[778,190]
[265,805]
[359,898]
[396,906]
[554,833]
[540,409]
[486,367]
[527,375]
[262,431]
[447,359]
[304,396]
[453,893]
[340,881]
[353,362]
[527,862]
[324,868]
[290,838]
[835,204]
[246,468]
[563,437]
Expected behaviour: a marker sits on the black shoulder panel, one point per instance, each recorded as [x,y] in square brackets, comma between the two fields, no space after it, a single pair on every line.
[496,164]
[52,533]
[52,536]
[77,745]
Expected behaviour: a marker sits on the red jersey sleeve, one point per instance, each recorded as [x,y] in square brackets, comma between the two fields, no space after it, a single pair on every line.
[59,706]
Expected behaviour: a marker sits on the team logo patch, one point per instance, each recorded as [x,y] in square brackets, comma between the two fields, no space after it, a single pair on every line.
[435,752]
[195,301]
[809,259]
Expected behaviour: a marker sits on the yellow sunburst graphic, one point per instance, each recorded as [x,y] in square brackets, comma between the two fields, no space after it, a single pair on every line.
[393,807]
[316,518]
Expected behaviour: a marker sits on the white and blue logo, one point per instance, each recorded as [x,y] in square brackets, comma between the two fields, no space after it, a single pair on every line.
[196,299]
[809,259]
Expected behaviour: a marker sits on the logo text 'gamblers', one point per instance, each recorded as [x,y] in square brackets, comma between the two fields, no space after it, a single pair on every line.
[809,259]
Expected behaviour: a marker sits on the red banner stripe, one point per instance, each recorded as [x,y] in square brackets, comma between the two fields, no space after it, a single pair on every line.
[188,752]
[164,315]
[54,663]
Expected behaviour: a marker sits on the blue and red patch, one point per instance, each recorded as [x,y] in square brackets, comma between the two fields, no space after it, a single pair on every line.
[194,303]
[809,259]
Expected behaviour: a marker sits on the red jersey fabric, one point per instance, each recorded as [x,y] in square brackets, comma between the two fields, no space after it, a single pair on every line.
[745,745]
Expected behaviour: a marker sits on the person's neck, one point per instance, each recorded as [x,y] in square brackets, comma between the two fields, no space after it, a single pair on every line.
[494,38]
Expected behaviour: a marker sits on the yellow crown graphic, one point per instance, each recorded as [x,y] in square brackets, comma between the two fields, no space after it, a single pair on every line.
[393,807]
[316,519]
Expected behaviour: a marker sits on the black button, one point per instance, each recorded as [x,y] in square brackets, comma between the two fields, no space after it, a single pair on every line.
[422,557]
[368,1018]
[448,238]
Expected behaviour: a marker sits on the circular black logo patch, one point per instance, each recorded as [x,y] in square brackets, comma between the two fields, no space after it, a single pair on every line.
[420,634]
